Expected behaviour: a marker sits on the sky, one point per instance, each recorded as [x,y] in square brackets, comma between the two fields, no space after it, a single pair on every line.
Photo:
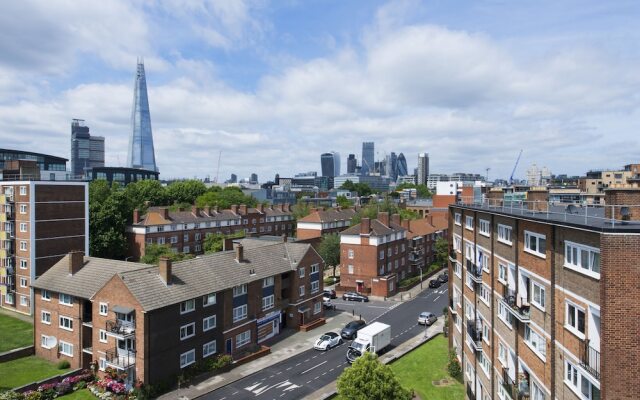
[267,86]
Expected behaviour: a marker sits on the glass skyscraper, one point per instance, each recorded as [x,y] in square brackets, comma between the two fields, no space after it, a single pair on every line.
[141,153]
[330,164]
[367,158]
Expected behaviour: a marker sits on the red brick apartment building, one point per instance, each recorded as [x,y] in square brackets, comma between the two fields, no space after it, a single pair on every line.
[373,256]
[545,298]
[322,221]
[40,222]
[185,230]
[152,322]
[422,235]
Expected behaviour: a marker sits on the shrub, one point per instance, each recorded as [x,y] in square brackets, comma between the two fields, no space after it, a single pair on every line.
[409,281]
[11,395]
[63,364]
[63,388]
[33,395]
[80,385]
[453,367]
[329,280]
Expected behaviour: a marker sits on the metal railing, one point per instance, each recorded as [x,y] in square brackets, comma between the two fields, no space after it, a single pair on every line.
[509,385]
[121,358]
[521,311]
[475,335]
[120,328]
[590,359]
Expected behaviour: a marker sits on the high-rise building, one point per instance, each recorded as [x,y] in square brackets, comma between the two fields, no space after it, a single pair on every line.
[330,163]
[423,168]
[352,164]
[402,169]
[141,151]
[233,179]
[391,167]
[86,151]
[253,178]
[367,158]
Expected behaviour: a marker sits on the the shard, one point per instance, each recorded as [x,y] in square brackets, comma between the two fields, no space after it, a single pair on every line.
[141,153]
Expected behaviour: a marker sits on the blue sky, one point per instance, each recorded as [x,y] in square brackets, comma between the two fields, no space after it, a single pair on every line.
[273,84]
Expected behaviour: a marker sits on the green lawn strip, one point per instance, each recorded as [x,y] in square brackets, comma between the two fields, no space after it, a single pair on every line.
[419,368]
[83,394]
[26,370]
[15,333]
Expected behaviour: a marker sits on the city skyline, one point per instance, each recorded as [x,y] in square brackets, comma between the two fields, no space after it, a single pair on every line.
[231,76]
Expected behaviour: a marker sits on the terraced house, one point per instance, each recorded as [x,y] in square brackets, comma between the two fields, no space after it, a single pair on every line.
[151,322]
[185,230]
[544,298]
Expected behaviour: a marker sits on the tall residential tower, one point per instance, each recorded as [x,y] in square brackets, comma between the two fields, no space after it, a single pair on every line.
[423,169]
[141,153]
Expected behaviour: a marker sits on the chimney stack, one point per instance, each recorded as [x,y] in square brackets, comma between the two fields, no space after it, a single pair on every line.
[136,216]
[243,209]
[395,218]
[239,252]
[76,261]
[165,269]
[365,226]
[384,218]
[165,212]
[195,210]
[234,209]
[216,209]
[261,207]
[207,210]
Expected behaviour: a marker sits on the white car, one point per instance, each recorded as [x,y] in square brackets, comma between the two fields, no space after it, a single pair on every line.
[327,341]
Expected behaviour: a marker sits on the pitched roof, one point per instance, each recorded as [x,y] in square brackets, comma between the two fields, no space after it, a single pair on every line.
[376,228]
[330,215]
[420,227]
[154,216]
[213,272]
[93,275]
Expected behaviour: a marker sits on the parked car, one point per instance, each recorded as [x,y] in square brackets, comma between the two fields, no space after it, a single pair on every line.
[353,296]
[327,304]
[350,330]
[330,293]
[435,283]
[327,341]
[443,277]
[426,318]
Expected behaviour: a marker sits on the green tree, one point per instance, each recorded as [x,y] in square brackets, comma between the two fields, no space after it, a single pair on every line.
[369,379]
[343,202]
[108,213]
[141,192]
[422,191]
[329,250]
[362,188]
[153,252]
[301,209]
[225,198]
[185,191]
[442,251]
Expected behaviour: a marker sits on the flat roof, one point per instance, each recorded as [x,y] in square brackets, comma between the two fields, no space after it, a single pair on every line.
[53,158]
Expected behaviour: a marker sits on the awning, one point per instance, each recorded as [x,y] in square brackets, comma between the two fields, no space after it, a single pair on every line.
[122,309]
[303,310]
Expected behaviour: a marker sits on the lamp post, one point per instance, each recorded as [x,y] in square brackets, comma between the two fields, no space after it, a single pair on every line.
[420,268]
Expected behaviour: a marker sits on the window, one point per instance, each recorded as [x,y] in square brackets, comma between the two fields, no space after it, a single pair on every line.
[457,243]
[267,302]
[187,306]
[469,281]
[314,268]
[389,251]
[350,269]
[317,307]
[267,282]
[198,236]
[186,249]
[198,247]
[23,226]
[66,323]
[485,364]
[457,269]
[104,308]
[23,208]
[382,254]
[208,299]
[502,353]
[187,358]
[23,264]
[538,298]
[174,239]
[458,218]
[485,293]
[315,286]
[23,282]
[187,331]
[582,258]
[575,319]
[24,301]
[23,190]
[301,272]
[535,341]
[505,315]
[391,285]
[161,240]
[65,299]
[47,341]
[301,291]
[484,227]
[502,273]
[468,222]
[66,348]
[579,383]
[45,295]
[209,349]
[243,338]
[240,313]
[103,336]
[535,243]
[23,245]
[537,393]
[350,254]
[186,237]
[239,290]
[504,234]
[102,363]
[208,323]
[45,317]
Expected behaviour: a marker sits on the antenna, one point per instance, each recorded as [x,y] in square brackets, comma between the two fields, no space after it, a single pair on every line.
[218,169]
[487,177]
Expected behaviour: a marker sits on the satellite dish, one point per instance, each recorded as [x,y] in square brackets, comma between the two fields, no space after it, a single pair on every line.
[53,340]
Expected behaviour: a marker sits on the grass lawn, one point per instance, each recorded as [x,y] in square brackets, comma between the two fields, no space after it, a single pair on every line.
[83,394]
[15,333]
[418,369]
[26,370]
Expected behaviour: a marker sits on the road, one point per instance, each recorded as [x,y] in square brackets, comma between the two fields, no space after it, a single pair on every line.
[311,370]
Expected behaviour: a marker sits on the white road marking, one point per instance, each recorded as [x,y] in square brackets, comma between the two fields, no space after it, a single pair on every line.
[314,367]
[289,368]
[436,298]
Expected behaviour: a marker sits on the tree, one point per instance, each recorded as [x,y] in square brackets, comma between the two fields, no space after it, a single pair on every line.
[422,191]
[442,250]
[108,214]
[153,252]
[185,191]
[301,209]
[369,379]
[329,250]
[343,202]
[225,198]
[362,188]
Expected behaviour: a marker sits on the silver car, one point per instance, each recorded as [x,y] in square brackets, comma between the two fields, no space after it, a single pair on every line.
[426,318]
[327,341]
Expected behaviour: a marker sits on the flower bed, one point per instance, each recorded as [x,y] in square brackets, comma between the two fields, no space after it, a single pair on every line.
[53,390]
[112,386]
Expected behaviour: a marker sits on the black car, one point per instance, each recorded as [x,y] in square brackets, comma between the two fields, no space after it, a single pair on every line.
[353,296]
[435,283]
[350,330]
[443,277]
[330,293]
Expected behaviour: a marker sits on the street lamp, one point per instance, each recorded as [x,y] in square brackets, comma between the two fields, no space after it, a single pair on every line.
[420,268]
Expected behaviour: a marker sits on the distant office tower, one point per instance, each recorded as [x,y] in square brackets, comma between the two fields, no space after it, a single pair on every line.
[253,178]
[391,167]
[352,164]
[233,179]
[367,158]
[402,169]
[330,163]
[86,151]
[141,152]
[423,168]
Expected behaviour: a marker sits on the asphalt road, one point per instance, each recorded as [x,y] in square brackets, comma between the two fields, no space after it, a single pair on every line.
[311,370]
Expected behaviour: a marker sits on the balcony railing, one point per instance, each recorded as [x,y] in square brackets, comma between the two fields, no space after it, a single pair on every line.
[120,359]
[590,359]
[120,328]
[453,254]
[517,305]
[509,385]
[452,306]
[474,335]
[475,272]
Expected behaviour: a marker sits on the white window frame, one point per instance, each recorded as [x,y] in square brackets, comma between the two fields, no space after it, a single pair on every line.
[317,307]
[23,245]
[542,294]
[239,313]
[102,336]
[209,348]
[45,295]
[505,315]
[350,269]
[44,341]
[240,290]
[457,218]
[502,353]
[268,302]
[505,232]
[24,301]
[301,291]
[350,254]
[62,296]
[24,264]
[568,326]
[184,331]
[536,342]
[457,269]
[23,227]
[314,269]
[485,294]
[23,208]
[45,317]
[187,358]
[484,227]
[576,265]
[102,364]
[538,238]
[502,273]
[315,286]
[23,190]
[268,282]
[24,282]
[243,338]
[209,323]
[104,309]
[209,299]
[382,254]
[301,272]
[468,222]
[65,348]
[187,306]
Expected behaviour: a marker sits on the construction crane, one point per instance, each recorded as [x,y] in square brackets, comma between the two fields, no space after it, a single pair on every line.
[218,169]
[514,168]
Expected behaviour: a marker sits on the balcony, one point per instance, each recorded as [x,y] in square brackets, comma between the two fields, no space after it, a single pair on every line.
[590,359]
[120,329]
[474,271]
[509,385]
[470,394]
[517,305]
[474,336]
[120,358]
[453,255]
[452,306]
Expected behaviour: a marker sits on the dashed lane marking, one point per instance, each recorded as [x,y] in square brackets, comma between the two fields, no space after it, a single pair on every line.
[314,367]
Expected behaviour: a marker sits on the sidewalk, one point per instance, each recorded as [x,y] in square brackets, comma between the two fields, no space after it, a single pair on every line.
[283,349]
[386,358]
